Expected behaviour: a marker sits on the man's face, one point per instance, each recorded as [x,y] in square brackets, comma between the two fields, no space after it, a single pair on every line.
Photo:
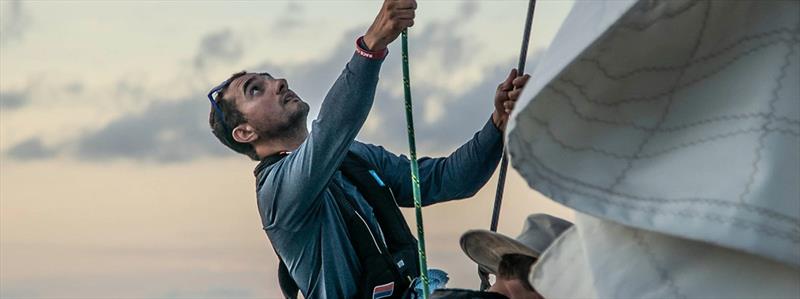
[512,277]
[514,289]
[268,104]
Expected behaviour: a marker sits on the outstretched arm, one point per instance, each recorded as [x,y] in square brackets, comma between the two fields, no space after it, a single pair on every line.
[463,172]
[458,175]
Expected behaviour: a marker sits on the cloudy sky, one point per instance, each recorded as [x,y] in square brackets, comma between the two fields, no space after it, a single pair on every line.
[111,185]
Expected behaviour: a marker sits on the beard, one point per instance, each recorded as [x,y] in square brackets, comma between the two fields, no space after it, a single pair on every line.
[291,126]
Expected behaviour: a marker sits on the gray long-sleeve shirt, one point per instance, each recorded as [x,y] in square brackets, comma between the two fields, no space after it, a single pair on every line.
[298,211]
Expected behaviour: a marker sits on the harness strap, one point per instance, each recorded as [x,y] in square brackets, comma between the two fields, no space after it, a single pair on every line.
[387,268]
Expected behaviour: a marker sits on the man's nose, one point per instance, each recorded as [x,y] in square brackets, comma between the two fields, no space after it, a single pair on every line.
[281,86]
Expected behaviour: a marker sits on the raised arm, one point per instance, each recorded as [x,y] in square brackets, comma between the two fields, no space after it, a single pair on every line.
[292,185]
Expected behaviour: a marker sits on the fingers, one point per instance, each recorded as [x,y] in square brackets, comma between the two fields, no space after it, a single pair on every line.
[394,17]
[507,85]
[519,82]
[399,25]
[403,14]
[401,4]
[402,18]
[508,92]
[514,94]
[403,24]
[509,105]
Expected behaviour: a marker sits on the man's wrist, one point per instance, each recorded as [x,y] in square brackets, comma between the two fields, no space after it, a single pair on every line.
[497,121]
[371,43]
[364,50]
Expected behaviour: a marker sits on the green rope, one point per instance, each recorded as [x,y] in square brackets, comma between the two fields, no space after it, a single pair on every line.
[423,264]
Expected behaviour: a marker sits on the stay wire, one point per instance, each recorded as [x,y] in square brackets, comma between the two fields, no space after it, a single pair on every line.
[501,180]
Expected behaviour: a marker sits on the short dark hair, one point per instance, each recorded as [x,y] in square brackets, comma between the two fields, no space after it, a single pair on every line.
[516,266]
[232,118]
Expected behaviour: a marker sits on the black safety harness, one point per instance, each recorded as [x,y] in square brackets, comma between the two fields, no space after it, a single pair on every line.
[387,269]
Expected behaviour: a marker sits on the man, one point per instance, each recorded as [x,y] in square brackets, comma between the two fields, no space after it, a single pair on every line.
[328,203]
[512,277]
[510,260]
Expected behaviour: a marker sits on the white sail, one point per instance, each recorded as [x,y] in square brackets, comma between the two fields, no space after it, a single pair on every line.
[676,118]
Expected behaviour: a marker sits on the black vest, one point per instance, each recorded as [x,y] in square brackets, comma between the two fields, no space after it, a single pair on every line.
[386,269]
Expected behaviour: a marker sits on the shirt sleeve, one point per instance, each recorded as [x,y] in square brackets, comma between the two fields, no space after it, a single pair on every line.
[290,191]
[459,175]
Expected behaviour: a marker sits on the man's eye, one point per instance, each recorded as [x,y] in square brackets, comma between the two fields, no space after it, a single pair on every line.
[255,91]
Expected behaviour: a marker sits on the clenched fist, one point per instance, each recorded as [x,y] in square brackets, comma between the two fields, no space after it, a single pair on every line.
[394,17]
[506,97]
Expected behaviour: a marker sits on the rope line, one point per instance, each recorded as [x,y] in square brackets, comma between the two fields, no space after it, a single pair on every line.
[423,264]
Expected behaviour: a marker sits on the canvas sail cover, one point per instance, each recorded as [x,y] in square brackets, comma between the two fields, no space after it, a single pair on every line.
[601,259]
[675,117]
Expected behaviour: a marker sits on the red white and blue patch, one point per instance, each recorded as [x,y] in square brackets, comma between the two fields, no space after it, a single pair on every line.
[383,291]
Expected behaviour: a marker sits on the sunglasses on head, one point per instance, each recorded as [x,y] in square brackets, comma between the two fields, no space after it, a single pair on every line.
[213,93]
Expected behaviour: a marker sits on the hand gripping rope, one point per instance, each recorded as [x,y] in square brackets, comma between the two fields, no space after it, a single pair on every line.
[501,180]
[412,147]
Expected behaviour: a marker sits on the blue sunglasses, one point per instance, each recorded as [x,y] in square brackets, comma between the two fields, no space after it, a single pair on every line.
[211,94]
[220,116]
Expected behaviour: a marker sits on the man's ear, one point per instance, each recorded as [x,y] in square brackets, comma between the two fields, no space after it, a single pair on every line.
[244,133]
